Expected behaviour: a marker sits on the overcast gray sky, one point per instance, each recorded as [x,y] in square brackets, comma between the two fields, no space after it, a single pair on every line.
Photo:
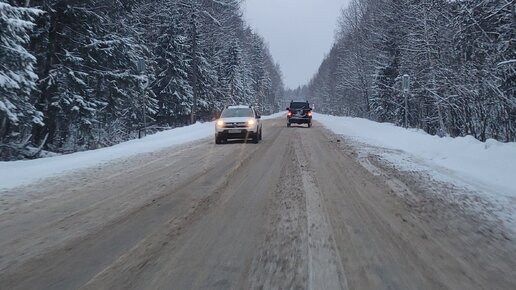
[299,33]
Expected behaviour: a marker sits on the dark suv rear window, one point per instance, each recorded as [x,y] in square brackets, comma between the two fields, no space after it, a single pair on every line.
[299,105]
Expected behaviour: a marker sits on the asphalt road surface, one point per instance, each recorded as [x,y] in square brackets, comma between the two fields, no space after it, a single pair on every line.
[297,211]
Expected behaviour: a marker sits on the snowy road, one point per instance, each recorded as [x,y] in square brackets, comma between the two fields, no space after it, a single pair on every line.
[297,211]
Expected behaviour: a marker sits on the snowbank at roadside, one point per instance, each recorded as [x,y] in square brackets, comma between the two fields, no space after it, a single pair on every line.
[16,173]
[274,116]
[489,167]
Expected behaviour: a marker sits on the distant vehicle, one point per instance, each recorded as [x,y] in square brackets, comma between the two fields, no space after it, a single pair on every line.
[299,113]
[238,122]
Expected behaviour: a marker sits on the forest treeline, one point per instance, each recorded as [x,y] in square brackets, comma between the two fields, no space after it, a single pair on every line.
[460,56]
[83,74]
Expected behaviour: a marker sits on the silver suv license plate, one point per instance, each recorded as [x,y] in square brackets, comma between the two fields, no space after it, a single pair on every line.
[234,131]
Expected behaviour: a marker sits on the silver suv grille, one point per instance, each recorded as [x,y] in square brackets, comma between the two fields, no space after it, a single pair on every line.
[236,125]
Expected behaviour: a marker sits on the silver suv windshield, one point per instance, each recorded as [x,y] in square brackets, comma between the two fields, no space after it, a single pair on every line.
[237,112]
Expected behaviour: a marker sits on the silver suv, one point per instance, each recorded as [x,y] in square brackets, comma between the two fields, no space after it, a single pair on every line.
[238,122]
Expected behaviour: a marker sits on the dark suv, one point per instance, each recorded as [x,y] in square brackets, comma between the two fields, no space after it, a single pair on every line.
[299,113]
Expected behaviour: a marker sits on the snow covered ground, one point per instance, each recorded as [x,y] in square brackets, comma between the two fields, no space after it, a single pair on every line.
[17,173]
[486,168]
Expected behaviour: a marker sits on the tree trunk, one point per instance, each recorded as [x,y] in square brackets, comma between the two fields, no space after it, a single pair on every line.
[3,129]
[195,71]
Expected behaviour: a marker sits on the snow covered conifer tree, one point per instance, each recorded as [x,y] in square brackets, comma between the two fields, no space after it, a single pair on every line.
[172,87]
[17,77]
[233,75]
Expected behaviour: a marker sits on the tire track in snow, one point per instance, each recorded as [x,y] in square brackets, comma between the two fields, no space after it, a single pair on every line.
[325,269]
